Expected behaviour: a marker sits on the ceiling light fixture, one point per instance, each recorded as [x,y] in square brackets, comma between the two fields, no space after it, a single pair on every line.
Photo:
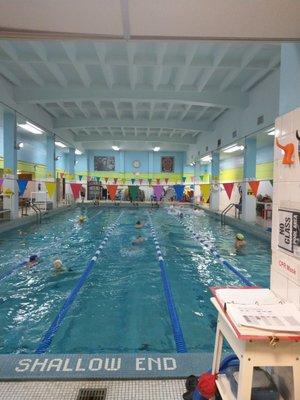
[19,146]
[207,158]
[115,148]
[28,126]
[60,144]
[156,148]
[233,148]
[78,152]
[271,132]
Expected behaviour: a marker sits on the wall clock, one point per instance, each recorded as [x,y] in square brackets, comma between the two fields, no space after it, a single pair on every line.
[136,164]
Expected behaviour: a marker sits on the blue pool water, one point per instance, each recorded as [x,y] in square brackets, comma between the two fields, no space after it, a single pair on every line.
[121,307]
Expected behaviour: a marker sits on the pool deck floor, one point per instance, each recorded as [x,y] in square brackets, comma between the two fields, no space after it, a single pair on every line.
[167,389]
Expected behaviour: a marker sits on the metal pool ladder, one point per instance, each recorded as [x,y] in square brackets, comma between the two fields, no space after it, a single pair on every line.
[226,210]
[37,211]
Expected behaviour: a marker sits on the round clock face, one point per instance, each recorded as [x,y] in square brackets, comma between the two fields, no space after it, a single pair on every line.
[136,163]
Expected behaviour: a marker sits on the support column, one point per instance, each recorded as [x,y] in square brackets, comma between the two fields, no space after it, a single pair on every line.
[71,161]
[10,164]
[289,98]
[51,173]
[215,178]
[248,200]
[151,164]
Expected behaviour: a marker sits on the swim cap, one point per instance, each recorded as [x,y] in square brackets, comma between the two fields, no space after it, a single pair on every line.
[57,264]
[34,257]
[240,236]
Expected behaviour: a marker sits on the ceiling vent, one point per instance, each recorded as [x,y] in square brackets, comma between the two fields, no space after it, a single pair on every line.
[234,134]
[219,142]
[260,120]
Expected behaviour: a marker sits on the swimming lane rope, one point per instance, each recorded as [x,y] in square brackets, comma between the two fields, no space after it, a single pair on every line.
[204,242]
[47,338]
[6,274]
[176,327]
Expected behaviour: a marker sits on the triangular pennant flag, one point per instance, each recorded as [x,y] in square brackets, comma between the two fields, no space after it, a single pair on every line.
[132,180]
[157,180]
[140,181]
[50,186]
[183,179]
[88,178]
[112,190]
[179,189]
[115,180]
[1,182]
[205,191]
[22,183]
[166,180]
[62,174]
[123,181]
[106,179]
[254,186]
[271,181]
[133,192]
[228,188]
[158,192]
[98,178]
[149,181]
[75,187]
[201,178]
[80,177]
[192,178]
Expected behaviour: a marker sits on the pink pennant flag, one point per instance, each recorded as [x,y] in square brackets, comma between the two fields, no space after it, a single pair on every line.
[141,181]
[76,187]
[1,182]
[158,192]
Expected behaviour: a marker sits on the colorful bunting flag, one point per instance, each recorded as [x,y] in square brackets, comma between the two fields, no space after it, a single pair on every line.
[123,181]
[112,190]
[228,188]
[158,181]
[179,189]
[76,187]
[1,182]
[80,177]
[205,191]
[158,192]
[201,178]
[61,175]
[166,180]
[22,183]
[149,181]
[254,186]
[271,181]
[98,178]
[132,180]
[140,181]
[106,179]
[88,178]
[115,180]
[133,192]
[183,179]
[51,187]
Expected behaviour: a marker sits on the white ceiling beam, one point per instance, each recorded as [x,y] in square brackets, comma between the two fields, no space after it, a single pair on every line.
[274,62]
[201,113]
[246,59]
[80,68]
[140,138]
[170,107]
[182,72]
[158,72]
[217,115]
[82,110]
[64,123]
[208,73]
[228,99]
[106,69]
[65,109]
[134,110]
[40,50]
[9,75]
[123,132]
[117,110]
[27,68]
[99,109]
[151,110]
[132,69]
[184,114]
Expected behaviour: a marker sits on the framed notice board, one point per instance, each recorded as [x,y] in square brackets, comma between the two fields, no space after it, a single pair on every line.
[289,231]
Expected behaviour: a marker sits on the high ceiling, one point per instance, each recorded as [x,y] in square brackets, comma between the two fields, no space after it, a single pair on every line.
[135,94]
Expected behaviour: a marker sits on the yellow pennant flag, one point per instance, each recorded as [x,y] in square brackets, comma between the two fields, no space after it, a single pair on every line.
[51,187]
[205,191]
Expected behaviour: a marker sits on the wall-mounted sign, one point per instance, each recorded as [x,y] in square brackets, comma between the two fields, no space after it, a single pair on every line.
[289,231]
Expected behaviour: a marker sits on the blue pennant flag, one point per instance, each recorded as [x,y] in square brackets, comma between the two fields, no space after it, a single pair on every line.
[179,189]
[22,186]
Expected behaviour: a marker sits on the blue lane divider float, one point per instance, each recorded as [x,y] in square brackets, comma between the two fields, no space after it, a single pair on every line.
[47,338]
[176,327]
[6,274]
[205,243]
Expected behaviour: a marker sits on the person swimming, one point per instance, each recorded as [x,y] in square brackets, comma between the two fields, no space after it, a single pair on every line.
[33,261]
[139,224]
[81,219]
[58,265]
[240,241]
[138,240]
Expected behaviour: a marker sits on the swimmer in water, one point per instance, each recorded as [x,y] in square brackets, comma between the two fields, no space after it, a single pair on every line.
[33,261]
[138,240]
[58,265]
[139,224]
[240,241]
[81,219]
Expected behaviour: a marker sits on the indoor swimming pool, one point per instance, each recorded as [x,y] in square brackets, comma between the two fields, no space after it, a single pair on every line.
[121,307]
